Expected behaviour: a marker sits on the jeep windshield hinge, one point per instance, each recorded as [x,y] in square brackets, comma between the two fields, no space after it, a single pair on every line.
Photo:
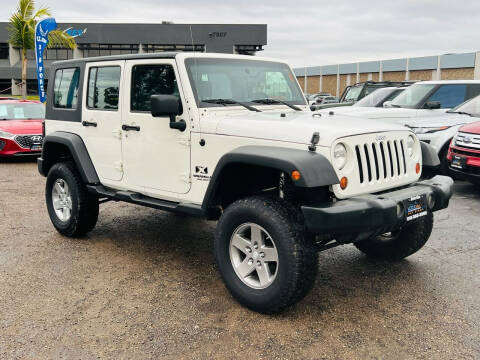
[184,141]
[314,141]
[185,177]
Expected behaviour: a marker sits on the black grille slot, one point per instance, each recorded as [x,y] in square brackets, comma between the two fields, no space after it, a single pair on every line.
[403,157]
[374,148]
[359,160]
[384,162]
[367,157]
[396,153]
[391,158]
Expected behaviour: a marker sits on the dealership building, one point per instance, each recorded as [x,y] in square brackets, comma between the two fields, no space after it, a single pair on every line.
[95,39]
[334,78]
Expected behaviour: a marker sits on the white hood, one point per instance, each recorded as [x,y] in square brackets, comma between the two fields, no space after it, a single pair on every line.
[298,127]
[389,113]
[441,120]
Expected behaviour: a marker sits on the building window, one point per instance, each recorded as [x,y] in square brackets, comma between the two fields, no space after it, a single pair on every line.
[247,49]
[103,87]
[3,50]
[65,91]
[162,48]
[58,54]
[148,80]
[90,50]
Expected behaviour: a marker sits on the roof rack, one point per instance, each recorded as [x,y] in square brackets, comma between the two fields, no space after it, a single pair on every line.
[392,83]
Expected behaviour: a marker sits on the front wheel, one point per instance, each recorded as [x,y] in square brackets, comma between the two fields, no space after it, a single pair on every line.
[264,257]
[72,210]
[401,243]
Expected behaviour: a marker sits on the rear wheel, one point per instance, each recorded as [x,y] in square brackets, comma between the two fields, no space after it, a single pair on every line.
[72,209]
[263,255]
[401,243]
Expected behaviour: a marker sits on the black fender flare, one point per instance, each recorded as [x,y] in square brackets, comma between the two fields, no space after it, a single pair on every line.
[429,156]
[315,169]
[77,149]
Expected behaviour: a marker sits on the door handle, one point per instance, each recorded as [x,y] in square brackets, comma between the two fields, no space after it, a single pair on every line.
[89,123]
[130,127]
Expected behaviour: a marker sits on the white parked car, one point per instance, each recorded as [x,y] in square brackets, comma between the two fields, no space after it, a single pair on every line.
[426,98]
[438,131]
[230,138]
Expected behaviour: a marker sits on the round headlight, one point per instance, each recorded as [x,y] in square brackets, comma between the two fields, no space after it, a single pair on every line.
[410,145]
[339,156]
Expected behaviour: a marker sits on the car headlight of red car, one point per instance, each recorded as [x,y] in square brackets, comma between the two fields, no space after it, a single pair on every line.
[6,135]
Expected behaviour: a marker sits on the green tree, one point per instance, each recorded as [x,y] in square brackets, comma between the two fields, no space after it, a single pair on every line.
[21,29]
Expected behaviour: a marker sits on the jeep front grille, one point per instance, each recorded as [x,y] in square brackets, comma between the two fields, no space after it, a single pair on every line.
[27,141]
[381,160]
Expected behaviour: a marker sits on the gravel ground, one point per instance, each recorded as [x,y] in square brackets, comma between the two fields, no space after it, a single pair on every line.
[143,284]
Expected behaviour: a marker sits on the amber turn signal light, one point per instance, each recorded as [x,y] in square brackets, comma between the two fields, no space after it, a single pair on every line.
[296,175]
[343,183]
[418,168]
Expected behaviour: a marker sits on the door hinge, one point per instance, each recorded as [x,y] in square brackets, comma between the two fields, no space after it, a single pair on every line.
[184,141]
[117,133]
[185,177]
[118,165]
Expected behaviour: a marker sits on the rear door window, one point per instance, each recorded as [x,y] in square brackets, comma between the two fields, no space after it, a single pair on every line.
[65,91]
[449,95]
[103,87]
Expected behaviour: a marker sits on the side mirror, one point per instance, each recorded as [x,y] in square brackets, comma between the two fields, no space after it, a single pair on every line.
[168,105]
[165,105]
[432,105]
[387,104]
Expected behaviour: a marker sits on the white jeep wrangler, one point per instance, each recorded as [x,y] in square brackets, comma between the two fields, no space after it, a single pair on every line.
[231,138]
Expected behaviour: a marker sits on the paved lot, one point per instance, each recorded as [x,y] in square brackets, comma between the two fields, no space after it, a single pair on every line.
[143,284]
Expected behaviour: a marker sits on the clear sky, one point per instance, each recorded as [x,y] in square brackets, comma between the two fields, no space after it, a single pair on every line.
[305,32]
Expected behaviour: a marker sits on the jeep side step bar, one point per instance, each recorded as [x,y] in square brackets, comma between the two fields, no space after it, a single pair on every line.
[140,199]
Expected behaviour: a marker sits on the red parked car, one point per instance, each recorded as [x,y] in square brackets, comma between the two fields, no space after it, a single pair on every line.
[464,153]
[21,127]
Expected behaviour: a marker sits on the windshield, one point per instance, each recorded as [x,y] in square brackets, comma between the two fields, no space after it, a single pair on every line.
[242,81]
[375,97]
[471,107]
[412,96]
[22,111]
[352,94]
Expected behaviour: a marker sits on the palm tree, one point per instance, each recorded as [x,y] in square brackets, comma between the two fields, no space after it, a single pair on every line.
[21,29]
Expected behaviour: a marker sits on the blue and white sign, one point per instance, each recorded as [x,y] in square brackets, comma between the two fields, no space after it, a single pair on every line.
[75,32]
[41,40]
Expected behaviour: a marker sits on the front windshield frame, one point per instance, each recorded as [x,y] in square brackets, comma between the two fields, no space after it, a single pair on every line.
[356,90]
[298,97]
[22,111]
[375,97]
[429,89]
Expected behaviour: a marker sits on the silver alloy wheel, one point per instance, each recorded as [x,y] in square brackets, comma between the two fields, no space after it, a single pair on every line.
[254,256]
[62,200]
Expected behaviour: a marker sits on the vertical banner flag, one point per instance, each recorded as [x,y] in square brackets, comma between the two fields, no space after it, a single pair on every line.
[41,40]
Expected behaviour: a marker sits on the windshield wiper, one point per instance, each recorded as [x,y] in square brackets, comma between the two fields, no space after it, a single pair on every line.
[226,102]
[274,101]
[459,112]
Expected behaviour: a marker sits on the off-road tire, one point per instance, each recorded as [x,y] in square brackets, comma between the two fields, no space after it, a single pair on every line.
[84,213]
[404,242]
[298,260]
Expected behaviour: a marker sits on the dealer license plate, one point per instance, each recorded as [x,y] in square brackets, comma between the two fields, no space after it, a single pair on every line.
[458,162]
[416,207]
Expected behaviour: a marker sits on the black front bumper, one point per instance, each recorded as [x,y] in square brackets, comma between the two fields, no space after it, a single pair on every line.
[374,212]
